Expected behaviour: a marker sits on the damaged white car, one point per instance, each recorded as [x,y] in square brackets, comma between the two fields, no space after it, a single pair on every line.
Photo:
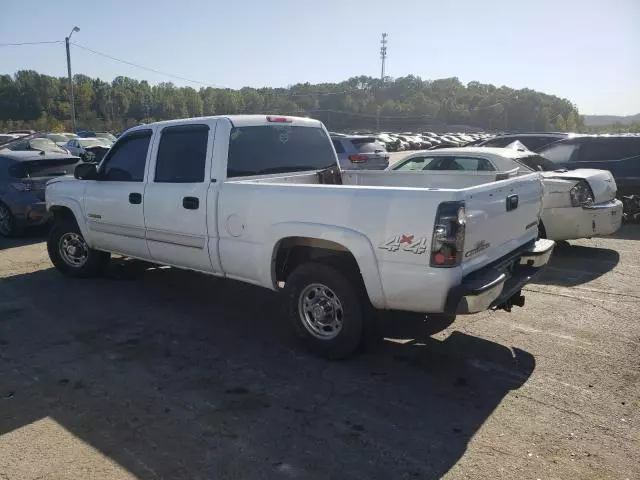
[576,204]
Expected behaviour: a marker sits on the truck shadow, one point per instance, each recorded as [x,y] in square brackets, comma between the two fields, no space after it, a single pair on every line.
[572,265]
[177,375]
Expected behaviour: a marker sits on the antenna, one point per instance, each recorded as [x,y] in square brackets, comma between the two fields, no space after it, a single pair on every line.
[383,54]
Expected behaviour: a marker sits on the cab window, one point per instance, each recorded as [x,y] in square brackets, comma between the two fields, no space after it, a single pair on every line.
[127,159]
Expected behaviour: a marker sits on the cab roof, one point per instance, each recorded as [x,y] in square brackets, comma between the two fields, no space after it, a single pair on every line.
[236,121]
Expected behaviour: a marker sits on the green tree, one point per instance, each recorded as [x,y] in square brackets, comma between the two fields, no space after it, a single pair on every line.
[572,125]
[560,124]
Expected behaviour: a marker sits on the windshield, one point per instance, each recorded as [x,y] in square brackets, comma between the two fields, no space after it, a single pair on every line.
[278,149]
[106,135]
[37,143]
[56,137]
[368,145]
[93,142]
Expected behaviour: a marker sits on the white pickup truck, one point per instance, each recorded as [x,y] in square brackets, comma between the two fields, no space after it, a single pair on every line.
[261,199]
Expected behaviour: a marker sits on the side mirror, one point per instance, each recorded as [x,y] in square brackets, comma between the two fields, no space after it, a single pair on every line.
[86,171]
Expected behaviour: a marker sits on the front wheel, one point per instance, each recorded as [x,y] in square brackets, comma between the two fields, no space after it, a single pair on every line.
[325,310]
[70,253]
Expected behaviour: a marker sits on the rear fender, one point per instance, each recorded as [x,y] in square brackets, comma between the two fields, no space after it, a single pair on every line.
[355,242]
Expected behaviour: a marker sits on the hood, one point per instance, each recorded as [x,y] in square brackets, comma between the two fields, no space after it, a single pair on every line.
[61,178]
[601,181]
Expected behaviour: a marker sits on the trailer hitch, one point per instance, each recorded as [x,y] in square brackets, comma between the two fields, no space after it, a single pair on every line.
[515,300]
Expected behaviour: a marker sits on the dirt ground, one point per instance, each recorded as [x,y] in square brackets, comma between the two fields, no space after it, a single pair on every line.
[159,373]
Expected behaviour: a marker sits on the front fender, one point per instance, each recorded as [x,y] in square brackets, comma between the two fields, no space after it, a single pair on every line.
[355,242]
[75,207]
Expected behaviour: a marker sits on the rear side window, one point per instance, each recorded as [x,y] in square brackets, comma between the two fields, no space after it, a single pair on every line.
[424,163]
[182,154]
[471,164]
[278,148]
[607,149]
[559,152]
[127,158]
[368,145]
[337,144]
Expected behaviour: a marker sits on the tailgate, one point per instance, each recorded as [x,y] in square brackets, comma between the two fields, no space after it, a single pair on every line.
[501,216]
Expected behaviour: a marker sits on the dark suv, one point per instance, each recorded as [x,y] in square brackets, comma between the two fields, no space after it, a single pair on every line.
[618,154]
[533,141]
[357,152]
[23,176]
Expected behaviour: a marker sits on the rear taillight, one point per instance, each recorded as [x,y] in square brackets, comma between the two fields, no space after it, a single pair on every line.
[581,194]
[279,119]
[23,186]
[447,242]
[358,158]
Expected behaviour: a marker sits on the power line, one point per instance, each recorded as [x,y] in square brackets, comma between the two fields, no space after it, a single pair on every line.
[145,68]
[28,43]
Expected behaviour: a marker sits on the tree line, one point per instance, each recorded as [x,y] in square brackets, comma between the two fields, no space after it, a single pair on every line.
[30,99]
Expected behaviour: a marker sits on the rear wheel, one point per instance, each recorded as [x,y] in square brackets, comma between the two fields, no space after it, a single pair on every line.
[325,310]
[70,253]
[9,226]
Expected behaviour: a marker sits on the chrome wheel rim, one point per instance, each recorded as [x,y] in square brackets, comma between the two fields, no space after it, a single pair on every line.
[320,311]
[5,220]
[73,249]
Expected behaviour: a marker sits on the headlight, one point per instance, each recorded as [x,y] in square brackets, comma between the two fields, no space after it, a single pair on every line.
[581,194]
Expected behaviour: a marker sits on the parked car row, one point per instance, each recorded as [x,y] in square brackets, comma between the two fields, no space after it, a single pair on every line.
[365,151]
[397,142]
[88,147]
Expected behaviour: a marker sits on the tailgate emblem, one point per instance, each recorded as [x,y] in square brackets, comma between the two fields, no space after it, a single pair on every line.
[480,246]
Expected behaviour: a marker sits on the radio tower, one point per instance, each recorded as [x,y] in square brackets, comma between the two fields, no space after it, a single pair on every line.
[383,54]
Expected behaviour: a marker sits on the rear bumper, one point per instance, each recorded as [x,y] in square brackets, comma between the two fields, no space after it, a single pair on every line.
[30,214]
[496,284]
[595,220]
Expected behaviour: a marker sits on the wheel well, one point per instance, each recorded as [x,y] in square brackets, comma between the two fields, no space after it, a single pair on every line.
[62,213]
[294,251]
[542,232]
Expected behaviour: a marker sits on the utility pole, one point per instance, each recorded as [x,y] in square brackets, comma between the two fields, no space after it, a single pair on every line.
[383,54]
[73,103]
[383,58]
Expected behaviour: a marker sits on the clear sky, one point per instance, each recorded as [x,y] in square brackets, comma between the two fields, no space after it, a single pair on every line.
[585,50]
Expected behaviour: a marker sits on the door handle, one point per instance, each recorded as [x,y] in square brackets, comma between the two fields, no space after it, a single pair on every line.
[512,202]
[191,203]
[135,198]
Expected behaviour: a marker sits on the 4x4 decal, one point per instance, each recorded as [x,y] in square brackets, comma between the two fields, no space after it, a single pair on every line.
[406,243]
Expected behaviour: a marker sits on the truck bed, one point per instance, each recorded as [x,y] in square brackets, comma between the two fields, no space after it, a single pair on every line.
[299,199]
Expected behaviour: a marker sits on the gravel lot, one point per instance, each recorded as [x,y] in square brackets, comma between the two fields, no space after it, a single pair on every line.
[158,373]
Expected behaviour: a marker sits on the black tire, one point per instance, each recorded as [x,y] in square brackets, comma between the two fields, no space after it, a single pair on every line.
[96,261]
[12,228]
[351,301]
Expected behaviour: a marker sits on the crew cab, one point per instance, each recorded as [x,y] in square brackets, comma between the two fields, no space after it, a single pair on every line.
[576,204]
[261,199]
